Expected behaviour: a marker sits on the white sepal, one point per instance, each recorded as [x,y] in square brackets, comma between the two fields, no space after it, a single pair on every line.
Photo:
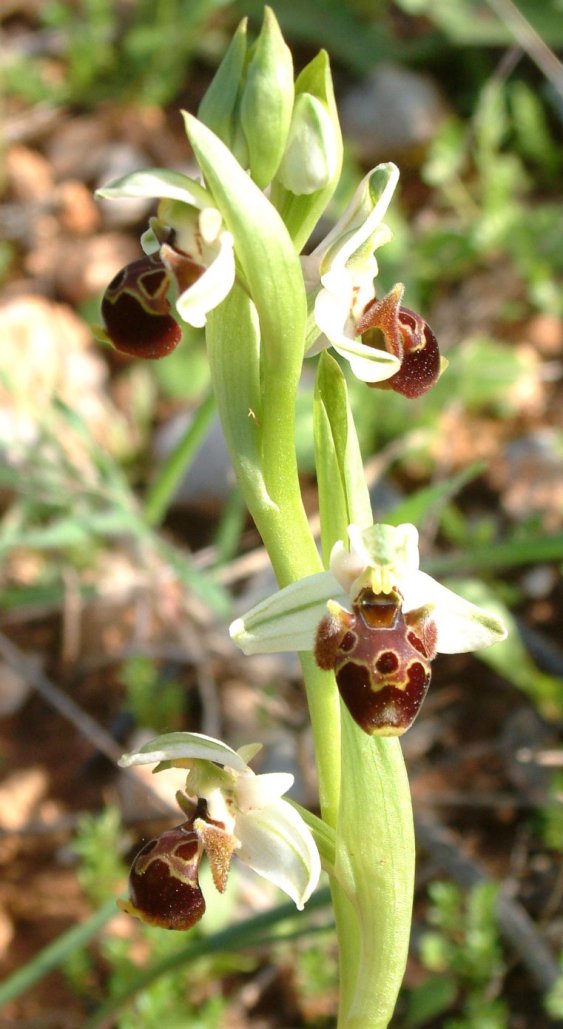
[276,843]
[181,746]
[158,183]
[287,620]
[462,626]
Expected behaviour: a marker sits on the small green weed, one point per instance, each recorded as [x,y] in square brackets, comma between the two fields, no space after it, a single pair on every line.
[464,955]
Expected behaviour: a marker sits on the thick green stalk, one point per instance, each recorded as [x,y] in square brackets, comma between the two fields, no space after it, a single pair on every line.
[259,429]
[374,838]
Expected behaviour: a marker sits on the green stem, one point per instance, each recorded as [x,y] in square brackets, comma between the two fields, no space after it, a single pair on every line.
[164,487]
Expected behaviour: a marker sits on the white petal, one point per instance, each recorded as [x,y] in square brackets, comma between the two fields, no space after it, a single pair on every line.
[257,791]
[287,620]
[332,315]
[174,746]
[158,182]
[462,626]
[347,565]
[276,843]
[367,363]
[211,288]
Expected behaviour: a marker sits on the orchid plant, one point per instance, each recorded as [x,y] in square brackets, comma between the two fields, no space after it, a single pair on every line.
[228,252]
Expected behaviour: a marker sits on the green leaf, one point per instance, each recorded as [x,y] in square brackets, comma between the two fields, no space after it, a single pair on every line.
[267,258]
[432,499]
[217,109]
[233,341]
[56,953]
[375,859]
[343,494]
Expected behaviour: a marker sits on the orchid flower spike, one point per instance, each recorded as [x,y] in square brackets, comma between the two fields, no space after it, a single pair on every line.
[374,618]
[228,810]
[384,342]
[188,253]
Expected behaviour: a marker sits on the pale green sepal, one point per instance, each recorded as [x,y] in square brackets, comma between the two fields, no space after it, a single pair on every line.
[276,843]
[174,746]
[264,249]
[267,100]
[217,109]
[287,620]
[302,212]
[158,183]
[150,243]
[311,154]
[343,493]
[375,861]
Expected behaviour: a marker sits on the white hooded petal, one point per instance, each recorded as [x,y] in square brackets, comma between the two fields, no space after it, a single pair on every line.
[211,288]
[276,843]
[176,746]
[288,620]
[462,626]
[257,791]
[361,218]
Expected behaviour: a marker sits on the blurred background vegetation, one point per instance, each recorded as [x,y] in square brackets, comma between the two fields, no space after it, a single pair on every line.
[117,582]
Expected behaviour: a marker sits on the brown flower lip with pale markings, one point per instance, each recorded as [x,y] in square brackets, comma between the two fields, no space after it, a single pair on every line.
[381,660]
[163,882]
[135,307]
[136,312]
[405,334]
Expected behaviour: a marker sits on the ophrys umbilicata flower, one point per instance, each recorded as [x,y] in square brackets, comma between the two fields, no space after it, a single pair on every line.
[229,810]
[386,344]
[189,258]
[374,618]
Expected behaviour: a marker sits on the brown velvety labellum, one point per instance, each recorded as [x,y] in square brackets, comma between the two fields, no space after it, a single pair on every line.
[387,324]
[381,661]
[163,882]
[136,311]
[420,367]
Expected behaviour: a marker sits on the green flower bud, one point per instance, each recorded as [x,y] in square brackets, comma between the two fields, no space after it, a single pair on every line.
[312,153]
[267,101]
[219,107]
[299,201]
